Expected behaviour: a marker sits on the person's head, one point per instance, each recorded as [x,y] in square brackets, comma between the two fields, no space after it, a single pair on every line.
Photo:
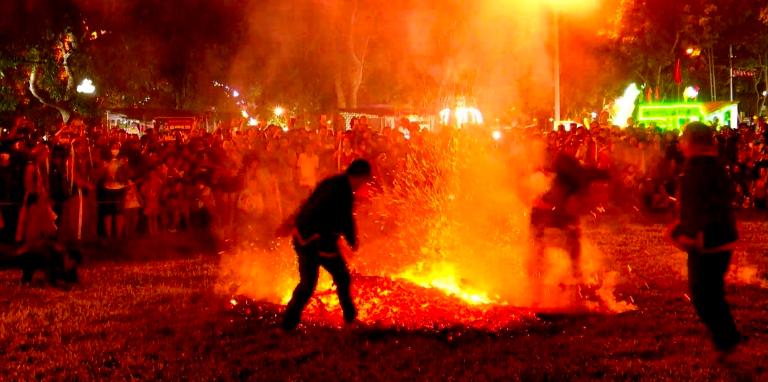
[346,143]
[358,172]
[114,149]
[698,139]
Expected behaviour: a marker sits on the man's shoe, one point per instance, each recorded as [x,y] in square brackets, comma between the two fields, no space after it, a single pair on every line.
[350,316]
[289,324]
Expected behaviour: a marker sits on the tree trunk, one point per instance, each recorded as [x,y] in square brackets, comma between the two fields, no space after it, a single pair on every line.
[351,57]
[338,82]
[355,80]
[62,107]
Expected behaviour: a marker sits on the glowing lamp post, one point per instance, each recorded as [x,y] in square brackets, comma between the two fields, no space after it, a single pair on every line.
[279,111]
[557,6]
[557,66]
[86,87]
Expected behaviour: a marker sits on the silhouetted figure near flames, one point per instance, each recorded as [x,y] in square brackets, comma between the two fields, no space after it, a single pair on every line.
[316,229]
[707,232]
[560,208]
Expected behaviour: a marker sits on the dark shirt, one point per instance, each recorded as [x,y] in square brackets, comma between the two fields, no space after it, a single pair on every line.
[706,193]
[328,212]
[571,178]
[571,181]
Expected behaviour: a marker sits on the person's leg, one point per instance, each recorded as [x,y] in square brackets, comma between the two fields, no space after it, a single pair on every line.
[108,224]
[337,267]
[152,222]
[308,271]
[119,226]
[706,274]
[131,222]
[28,267]
[573,246]
[537,259]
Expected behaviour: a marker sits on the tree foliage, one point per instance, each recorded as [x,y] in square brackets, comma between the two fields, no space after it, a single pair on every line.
[650,35]
[646,38]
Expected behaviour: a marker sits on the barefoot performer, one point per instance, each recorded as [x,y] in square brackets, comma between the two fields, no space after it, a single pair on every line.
[316,229]
[560,208]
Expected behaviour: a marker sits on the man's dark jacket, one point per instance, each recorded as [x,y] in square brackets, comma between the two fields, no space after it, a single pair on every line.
[706,193]
[328,213]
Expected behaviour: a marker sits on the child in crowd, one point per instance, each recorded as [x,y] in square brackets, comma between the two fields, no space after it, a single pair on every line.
[150,192]
[132,209]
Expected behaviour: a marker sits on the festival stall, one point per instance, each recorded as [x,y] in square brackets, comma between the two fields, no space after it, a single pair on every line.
[137,121]
[381,116]
[674,116]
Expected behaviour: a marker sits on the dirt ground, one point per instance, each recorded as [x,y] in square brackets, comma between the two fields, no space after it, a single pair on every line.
[160,319]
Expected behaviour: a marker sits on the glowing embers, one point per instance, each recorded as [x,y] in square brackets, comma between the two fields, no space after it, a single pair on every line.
[444,277]
[387,302]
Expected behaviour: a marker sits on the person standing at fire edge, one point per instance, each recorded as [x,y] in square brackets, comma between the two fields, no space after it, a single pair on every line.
[707,232]
[316,229]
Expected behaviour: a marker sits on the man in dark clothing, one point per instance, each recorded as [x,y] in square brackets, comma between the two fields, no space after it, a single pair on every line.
[316,229]
[707,232]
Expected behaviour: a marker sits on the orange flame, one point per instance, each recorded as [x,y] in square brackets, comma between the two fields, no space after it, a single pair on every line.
[444,277]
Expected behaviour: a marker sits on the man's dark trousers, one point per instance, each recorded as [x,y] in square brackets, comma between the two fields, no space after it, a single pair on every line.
[310,260]
[706,274]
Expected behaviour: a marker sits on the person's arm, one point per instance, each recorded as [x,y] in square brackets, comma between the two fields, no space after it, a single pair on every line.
[349,227]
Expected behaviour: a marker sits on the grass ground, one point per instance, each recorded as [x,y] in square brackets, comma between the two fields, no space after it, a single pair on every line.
[160,319]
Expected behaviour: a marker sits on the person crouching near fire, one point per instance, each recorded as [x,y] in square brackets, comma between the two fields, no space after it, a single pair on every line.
[707,232]
[316,229]
[560,208]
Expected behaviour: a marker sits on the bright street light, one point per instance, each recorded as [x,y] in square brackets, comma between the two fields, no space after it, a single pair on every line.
[86,87]
[279,111]
[693,52]
[690,92]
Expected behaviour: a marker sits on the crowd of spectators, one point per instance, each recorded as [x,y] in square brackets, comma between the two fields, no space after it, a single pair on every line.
[101,183]
[86,183]
[646,162]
